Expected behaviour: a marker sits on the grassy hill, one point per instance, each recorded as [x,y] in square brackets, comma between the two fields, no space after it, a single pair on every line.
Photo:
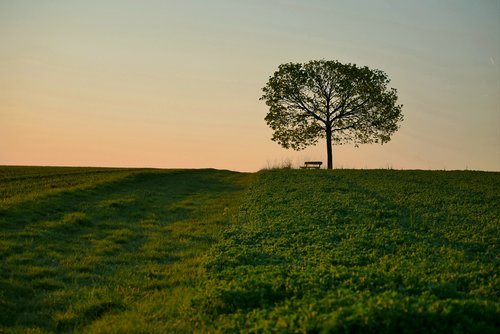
[360,251]
[144,250]
[107,250]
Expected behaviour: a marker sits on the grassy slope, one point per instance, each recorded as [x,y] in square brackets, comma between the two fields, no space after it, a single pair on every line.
[117,250]
[107,250]
[360,251]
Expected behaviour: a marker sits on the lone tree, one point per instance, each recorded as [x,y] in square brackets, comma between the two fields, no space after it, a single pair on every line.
[342,102]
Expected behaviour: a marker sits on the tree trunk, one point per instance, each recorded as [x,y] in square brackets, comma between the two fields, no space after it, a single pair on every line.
[329,152]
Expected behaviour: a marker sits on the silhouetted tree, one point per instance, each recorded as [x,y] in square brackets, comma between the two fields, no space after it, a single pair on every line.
[327,99]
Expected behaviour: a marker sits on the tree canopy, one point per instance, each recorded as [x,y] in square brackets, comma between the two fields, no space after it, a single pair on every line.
[343,103]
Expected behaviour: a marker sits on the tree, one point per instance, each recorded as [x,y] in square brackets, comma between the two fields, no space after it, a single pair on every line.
[343,103]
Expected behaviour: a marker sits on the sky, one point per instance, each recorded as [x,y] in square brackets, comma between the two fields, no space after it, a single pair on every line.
[176,84]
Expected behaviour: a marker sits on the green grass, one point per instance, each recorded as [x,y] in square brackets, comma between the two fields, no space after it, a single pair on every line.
[141,250]
[359,251]
[19,184]
[109,250]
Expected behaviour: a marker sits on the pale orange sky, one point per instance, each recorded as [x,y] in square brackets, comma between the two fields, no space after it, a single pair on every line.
[177,83]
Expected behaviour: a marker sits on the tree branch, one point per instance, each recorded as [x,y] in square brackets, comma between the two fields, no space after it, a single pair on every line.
[351,126]
[302,106]
[344,114]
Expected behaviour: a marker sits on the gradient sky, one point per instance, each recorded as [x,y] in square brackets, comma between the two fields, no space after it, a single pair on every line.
[177,83]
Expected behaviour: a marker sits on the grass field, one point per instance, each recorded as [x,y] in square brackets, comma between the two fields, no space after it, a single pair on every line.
[143,250]
[360,251]
[104,250]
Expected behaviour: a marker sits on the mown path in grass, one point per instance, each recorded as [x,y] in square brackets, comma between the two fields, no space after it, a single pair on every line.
[116,256]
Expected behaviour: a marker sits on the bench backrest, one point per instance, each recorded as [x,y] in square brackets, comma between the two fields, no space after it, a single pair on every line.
[319,163]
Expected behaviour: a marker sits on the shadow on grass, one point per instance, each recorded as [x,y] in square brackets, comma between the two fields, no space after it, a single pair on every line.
[66,256]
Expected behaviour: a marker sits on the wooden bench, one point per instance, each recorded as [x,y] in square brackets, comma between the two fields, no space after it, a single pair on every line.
[312,164]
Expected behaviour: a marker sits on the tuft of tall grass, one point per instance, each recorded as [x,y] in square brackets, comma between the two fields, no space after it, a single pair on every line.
[282,164]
